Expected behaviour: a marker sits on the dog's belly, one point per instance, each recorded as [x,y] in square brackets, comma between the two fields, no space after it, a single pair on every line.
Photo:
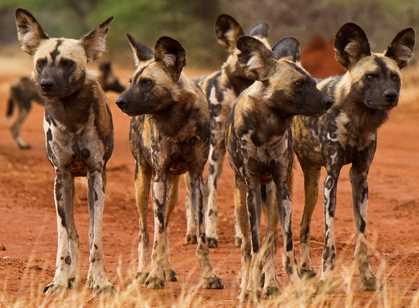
[78,168]
[180,161]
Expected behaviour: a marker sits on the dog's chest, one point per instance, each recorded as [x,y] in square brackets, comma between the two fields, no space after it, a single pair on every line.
[262,159]
[343,130]
[175,154]
[77,151]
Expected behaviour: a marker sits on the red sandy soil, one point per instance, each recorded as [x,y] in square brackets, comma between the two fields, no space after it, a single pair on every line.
[27,215]
[318,58]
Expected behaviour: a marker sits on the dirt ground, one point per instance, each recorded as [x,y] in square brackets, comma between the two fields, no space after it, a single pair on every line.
[28,223]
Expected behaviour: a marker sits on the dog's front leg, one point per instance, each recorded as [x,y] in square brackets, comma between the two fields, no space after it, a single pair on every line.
[96,278]
[156,278]
[359,182]
[253,206]
[190,215]
[330,188]
[210,280]
[285,216]
[270,284]
[67,261]
[242,221]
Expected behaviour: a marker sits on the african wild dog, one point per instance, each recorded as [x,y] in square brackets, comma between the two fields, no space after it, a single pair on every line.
[24,92]
[259,145]
[78,138]
[347,134]
[169,136]
[107,78]
[222,89]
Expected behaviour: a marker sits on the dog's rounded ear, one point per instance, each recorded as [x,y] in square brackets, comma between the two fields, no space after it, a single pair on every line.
[351,44]
[255,57]
[287,47]
[260,30]
[171,54]
[140,52]
[401,47]
[227,31]
[94,42]
[29,31]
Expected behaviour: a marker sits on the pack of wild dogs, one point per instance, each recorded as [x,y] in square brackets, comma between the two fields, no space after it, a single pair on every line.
[261,107]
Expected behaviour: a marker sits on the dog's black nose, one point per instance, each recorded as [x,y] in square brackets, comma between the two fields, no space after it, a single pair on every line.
[121,102]
[46,84]
[328,102]
[391,96]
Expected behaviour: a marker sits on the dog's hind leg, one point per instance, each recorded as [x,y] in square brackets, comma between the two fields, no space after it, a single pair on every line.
[96,277]
[209,278]
[360,204]
[17,127]
[311,190]
[67,261]
[142,190]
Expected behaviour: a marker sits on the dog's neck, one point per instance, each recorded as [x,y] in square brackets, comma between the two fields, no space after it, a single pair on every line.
[266,122]
[172,119]
[237,83]
[72,112]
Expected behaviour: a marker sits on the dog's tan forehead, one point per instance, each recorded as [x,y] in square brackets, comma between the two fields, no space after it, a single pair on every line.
[152,70]
[373,64]
[59,47]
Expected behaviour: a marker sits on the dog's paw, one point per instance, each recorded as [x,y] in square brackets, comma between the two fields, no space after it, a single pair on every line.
[54,288]
[100,285]
[212,242]
[238,242]
[213,282]
[154,282]
[243,296]
[22,144]
[307,273]
[369,283]
[270,292]
[170,275]
[190,239]
[142,276]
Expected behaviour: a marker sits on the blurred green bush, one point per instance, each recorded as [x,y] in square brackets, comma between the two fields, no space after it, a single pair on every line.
[192,21]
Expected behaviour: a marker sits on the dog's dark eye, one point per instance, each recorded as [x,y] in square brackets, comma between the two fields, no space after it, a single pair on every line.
[299,83]
[130,81]
[395,77]
[40,64]
[67,64]
[146,83]
[371,76]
